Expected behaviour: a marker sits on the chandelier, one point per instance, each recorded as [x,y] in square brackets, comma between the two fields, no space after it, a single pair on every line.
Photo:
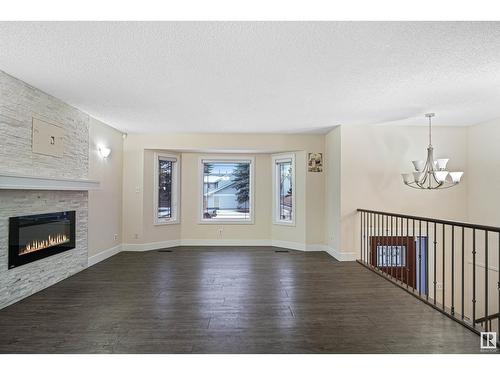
[431,174]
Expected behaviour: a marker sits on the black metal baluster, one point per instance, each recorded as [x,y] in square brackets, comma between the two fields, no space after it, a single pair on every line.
[473,277]
[387,247]
[367,235]
[401,264]
[392,244]
[435,266]
[396,248]
[406,258]
[486,279]
[378,238]
[419,258]
[381,234]
[361,234]
[463,270]
[386,239]
[427,260]
[444,267]
[364,233]
[414,274]
[379,230]
[452,270]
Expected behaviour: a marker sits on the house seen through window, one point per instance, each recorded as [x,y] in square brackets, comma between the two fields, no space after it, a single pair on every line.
[285,199]
[283,189]
[166,188]
[226,190]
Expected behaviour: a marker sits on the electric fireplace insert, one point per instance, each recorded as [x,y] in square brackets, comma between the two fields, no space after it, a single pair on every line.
[34,237]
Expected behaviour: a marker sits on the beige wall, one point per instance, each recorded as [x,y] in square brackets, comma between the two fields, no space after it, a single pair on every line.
[137,187]
[362,169]
[483,167]
[105,204]
[483,204]
[190,203]
[372,160]
[332,188]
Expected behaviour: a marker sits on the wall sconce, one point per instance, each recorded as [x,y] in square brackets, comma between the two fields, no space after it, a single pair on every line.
[104,151]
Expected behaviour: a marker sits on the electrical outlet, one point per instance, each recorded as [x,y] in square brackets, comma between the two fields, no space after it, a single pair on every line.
[219,232]
[136,236]
[115,236]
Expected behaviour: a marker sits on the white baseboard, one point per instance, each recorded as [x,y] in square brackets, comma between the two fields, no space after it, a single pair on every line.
[150,245]
[224,242]
[341,256]
[94,259]
[289,245]
[316,247]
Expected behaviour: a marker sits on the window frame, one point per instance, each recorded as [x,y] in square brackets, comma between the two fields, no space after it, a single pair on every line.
[289,157]
[226,159]
[175,200]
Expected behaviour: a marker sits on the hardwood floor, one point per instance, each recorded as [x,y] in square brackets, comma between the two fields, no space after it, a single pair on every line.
[227,300]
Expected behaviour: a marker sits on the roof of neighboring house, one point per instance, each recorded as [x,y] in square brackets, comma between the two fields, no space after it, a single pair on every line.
[223,186]
[215,178]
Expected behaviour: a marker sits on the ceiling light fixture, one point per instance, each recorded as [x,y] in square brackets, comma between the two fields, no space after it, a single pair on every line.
[431,174]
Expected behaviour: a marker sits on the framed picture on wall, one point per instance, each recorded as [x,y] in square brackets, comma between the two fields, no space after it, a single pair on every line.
[315,162]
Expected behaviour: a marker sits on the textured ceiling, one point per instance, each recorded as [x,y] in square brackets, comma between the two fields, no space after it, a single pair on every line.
[292,77]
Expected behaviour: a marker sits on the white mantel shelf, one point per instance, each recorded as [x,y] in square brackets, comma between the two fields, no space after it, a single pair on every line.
[20,182]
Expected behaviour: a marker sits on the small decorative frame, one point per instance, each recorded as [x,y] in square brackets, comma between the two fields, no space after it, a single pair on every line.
[315,162]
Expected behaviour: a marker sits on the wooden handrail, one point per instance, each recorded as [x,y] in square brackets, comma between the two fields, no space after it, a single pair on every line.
[438,221]
[485,318]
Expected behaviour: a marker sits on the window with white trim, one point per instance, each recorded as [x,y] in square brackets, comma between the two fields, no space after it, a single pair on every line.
[166,192]
[226,190]
[284,189]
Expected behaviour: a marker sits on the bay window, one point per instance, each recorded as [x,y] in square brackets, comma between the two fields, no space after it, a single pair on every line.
[166,192]
[226,190]
[284,189]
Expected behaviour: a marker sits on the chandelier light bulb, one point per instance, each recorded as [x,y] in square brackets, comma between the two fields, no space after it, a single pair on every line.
[456,176]
[441,175]
[418,165]
[406,177]
[441,164]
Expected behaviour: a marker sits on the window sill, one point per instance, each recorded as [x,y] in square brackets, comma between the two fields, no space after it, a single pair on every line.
[226,222]
[166,222]
[284,223]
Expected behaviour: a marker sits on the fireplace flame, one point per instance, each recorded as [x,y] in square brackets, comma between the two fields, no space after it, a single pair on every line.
[36,245]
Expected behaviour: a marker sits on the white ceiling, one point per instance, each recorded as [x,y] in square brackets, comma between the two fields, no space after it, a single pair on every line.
[279,77]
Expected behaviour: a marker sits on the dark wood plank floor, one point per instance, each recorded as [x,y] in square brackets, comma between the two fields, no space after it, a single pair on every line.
[227,300]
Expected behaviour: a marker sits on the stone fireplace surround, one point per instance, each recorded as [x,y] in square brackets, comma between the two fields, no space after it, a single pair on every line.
[19,103]
[20,282]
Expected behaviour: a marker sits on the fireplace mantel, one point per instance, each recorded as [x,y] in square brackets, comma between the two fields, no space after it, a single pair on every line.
[21,182]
